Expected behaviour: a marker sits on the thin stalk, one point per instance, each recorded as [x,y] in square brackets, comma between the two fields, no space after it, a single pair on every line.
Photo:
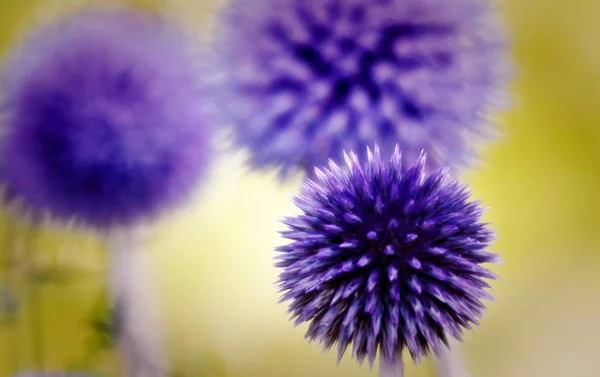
[451,363]
[138,334]
[10,316]
[391,368]
[33,296]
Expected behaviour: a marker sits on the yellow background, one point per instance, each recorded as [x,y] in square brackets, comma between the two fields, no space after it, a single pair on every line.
[213,261]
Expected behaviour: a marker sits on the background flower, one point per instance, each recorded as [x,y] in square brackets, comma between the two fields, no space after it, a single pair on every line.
[305,80]
[102,118]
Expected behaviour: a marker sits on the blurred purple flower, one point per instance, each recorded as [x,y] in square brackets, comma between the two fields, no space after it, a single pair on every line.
[385,259]
[101,118]
[307,79]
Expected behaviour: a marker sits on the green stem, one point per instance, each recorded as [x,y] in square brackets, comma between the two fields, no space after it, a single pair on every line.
[8,280]
[34,298]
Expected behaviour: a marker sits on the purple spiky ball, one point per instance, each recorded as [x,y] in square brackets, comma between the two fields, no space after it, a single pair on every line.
[385,257]
[102,118]
[306,79]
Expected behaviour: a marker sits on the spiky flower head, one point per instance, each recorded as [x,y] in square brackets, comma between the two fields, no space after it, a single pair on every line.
[307,79]
[101,118]
[385,259]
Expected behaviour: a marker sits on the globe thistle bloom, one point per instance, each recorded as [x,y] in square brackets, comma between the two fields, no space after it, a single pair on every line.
[101,118]
[385,258]
[307,79]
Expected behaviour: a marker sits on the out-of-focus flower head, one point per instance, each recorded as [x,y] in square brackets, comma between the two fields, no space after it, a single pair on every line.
[385,258]
[101,118]
[307,79]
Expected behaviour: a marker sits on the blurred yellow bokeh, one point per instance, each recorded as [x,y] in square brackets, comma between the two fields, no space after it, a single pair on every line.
[213,261]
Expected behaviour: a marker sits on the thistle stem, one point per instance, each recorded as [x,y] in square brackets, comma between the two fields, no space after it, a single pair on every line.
[33,286]
[391,368]
[138,336]
[9,315]
[451,363]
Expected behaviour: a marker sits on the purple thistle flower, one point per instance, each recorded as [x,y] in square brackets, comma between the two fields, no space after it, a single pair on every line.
[307,79]
[385,258]
[102,119]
